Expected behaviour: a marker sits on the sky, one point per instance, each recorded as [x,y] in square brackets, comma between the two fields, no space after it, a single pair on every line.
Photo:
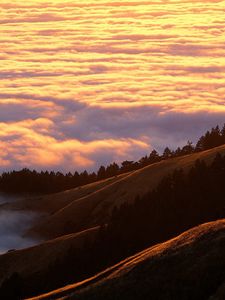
[85,83]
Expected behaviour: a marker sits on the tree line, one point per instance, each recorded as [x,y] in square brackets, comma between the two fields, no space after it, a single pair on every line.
[181,201]
[33,182]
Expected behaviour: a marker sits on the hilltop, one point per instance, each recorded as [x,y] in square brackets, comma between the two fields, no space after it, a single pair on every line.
[190,266]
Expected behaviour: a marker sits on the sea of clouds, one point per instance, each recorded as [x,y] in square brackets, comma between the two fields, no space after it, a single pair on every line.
[85,83]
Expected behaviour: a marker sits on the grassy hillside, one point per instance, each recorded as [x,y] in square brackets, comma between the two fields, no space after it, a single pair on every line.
[32,261]
[52,203]
[75,257]
[190,266]
[96,208]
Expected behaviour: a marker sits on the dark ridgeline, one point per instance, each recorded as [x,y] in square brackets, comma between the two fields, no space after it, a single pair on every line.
[33,182]
[181,201]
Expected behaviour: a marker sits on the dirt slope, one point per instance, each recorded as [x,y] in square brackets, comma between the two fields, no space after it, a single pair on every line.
[40,257]
[94,209]
[190,266]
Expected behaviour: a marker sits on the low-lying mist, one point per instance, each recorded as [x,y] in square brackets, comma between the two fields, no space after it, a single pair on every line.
[13,225]
[4,198]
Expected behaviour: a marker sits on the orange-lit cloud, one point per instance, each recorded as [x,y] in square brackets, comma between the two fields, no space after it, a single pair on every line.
[87,77]
[28,144]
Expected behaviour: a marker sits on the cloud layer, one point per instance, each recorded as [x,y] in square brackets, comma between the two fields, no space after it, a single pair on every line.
[87,82]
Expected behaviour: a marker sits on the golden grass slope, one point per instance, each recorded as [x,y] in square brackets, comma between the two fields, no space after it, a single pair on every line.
[50,204]
[190,265]
[95,208]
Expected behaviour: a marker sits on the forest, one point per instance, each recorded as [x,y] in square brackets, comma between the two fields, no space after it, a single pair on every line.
[30,182]
[180,201]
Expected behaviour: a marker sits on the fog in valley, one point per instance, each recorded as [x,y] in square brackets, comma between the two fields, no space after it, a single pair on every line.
[13,225]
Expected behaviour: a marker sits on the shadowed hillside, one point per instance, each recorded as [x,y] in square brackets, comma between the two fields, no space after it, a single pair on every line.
[190,266]
[182,199]
[96,208]
[50,204]
[32,263]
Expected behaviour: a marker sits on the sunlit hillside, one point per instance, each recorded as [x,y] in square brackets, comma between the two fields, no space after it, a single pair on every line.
[96,208]
[175,269]
[79,244]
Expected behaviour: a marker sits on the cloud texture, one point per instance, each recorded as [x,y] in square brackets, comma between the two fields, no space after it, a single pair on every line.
[87,82]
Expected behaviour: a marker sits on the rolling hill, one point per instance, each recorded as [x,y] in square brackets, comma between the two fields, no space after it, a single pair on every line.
[190,266]
[96,207]
[37,259]
[75,218]
[50,204]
